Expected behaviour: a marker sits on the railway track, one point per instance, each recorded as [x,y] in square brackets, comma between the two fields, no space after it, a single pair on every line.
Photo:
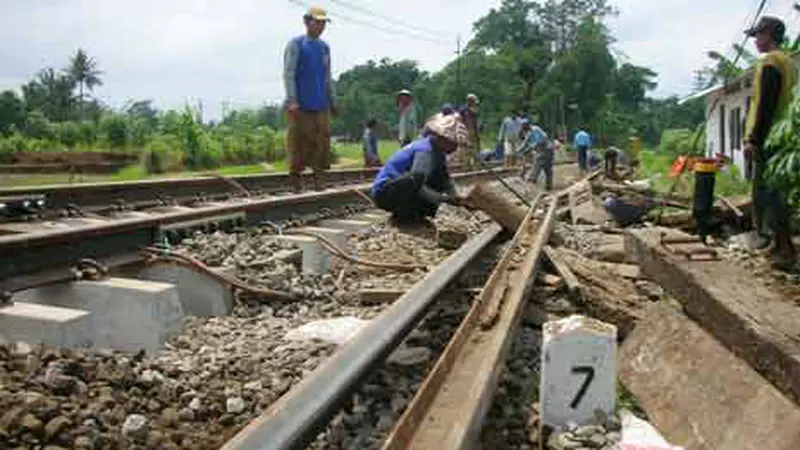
[456,394]
[379,390]
[32,253]
[75,200]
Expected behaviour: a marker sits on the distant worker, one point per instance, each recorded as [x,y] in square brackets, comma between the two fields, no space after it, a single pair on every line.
[469,116]
[611,157]
[538,146]
[309,99]
[370,145]
[636,146]
[509,137]
[415,180]
[582,142]
[407,128]
[773,83]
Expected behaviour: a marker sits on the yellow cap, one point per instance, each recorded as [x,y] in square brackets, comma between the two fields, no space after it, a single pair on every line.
[317,13]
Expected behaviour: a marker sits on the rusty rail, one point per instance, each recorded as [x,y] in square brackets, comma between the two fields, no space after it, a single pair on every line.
[448,410]
[299,415]
[30,258]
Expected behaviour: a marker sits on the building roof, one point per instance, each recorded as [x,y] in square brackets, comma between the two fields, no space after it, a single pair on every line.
[732,82]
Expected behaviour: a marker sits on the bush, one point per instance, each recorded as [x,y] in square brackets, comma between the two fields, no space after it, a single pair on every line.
[161,155]
[87,132]
[679,142]
[69,134]
[39,127]
[115,131]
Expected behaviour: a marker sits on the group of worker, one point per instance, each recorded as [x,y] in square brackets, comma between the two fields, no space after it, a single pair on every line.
[414,181]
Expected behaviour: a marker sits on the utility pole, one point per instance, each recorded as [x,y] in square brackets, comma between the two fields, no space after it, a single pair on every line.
[458,67]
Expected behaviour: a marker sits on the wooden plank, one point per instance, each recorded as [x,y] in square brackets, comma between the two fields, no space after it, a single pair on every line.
[573,285]
[750,319]
[700,395]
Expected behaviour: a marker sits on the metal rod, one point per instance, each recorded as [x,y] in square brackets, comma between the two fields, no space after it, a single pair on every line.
[296,418]
[503,182]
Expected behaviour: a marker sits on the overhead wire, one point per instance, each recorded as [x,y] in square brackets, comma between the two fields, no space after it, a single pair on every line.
[392,20]
[393,31]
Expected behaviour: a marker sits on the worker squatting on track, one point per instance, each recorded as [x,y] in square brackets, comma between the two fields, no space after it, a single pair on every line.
[772,91]
[310,99]
[415,180]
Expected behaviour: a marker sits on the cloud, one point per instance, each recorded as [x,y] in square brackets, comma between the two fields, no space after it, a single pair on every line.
[230,50]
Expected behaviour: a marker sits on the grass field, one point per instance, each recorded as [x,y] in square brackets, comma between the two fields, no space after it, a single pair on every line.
[349,156]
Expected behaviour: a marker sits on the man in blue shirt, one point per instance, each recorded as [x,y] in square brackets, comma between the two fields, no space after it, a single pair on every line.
[537,142]
[583,141]
[415,181]
[309,99]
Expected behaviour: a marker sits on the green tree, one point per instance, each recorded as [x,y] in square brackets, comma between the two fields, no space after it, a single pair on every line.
[51,93]
[514,30]
[144,111]
[39,127]
[12,112]
[69,134]
[83,71]
[115,131]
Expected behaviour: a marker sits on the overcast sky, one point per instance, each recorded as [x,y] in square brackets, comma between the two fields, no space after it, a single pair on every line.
[230,51]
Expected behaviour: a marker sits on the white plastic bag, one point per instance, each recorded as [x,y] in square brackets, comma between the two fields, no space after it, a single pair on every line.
[337,330]
[637,434]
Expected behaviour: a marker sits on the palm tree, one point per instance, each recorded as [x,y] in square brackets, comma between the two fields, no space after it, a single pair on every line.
[84,72]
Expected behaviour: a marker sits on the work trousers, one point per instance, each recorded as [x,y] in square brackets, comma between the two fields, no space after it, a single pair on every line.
[611,164]
[509,145]
[583,161]
[308,141]
[401,198]
[543,162]
[770,209]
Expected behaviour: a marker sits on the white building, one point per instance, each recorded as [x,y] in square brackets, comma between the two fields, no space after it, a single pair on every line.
[726,108]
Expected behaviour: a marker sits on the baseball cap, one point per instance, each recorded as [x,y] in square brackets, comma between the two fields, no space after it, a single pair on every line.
[404,92]
[317,13]
[774,24]
[474,98]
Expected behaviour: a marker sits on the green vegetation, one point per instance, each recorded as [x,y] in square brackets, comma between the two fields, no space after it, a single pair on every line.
[783,168]
[657,165]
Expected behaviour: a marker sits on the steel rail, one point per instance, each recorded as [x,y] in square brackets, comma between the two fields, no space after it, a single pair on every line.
[145,193]
[448,410]
[296,418]
[24,255]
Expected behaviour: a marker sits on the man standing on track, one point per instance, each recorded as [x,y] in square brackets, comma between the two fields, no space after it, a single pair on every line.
[583,141]
[773,83]
[469,116]
[509,138]
[407,111]
[537,142]
[415,179]
[310,99]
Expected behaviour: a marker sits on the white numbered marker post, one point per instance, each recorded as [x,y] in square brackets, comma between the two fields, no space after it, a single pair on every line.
[578,373]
